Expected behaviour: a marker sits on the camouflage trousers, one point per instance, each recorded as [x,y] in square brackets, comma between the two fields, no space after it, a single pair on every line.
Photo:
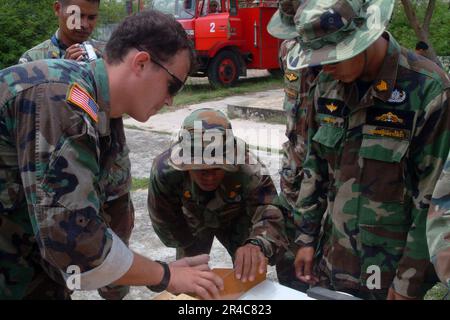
[285,265]
[359,290]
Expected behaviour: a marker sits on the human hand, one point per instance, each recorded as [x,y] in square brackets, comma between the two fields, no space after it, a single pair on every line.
[195,261]
[248,259]
[304,261]
[75,52]
[203,283]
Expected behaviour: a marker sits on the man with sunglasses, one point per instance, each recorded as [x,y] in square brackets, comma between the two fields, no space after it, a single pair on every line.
[54,133]
[66,43]
[227,194]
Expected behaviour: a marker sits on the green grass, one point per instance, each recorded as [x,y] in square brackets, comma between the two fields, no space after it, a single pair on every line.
[197,93]
[139,183]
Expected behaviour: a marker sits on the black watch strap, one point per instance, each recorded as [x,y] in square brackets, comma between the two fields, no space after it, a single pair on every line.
[165,279]
[258,243]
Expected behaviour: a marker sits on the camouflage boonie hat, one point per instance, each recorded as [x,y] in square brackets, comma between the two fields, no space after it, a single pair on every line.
[282,25]
[200,131]
[336,30]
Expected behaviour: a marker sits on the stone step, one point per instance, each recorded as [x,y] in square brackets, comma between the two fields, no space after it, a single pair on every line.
[264,108]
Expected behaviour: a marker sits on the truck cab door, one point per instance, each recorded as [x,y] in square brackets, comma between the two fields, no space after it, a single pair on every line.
[211,26]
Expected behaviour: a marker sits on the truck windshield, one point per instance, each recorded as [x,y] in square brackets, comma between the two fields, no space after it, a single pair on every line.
[181,9]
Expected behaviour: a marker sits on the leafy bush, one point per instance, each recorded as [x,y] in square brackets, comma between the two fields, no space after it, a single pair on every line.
[439,27]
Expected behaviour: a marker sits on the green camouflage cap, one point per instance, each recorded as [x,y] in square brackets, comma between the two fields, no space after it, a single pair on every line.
[205,141]
[336,30]
[282,25]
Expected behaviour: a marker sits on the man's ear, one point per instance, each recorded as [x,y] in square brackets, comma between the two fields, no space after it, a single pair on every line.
[139,61]
[57,8]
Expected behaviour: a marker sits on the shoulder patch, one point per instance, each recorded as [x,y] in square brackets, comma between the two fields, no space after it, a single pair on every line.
[81,98]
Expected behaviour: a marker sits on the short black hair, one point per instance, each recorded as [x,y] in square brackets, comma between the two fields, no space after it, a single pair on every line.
[158,33]
[421,45]
[66,2]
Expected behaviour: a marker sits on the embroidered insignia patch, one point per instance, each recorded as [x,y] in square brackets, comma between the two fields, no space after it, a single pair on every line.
[80,98]
[329,120]
[389,117]
[332,107]
[291,93]
[291,76]
[382,86]
[400,134]
[397,96]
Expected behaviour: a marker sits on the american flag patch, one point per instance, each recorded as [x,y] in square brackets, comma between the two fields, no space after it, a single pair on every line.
[79,97]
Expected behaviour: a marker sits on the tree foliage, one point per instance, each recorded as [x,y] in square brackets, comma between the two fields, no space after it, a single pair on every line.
[23,24]
[439,29]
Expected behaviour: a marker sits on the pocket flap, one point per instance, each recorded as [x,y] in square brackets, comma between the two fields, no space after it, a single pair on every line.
[328,135]
[383,148]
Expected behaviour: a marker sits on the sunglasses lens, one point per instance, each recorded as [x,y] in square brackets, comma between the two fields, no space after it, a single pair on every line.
[175,88]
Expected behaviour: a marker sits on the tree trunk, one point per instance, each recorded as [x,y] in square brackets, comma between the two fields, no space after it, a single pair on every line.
[421,31]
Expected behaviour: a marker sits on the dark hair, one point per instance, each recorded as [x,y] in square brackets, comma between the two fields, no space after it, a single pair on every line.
[154,31]
[66,2]
[421,46]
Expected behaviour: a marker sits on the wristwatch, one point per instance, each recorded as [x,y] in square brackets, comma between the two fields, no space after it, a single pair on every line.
[165,279]
[258,243]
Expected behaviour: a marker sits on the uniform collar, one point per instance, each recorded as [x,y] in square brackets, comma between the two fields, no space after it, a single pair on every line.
[384,84]
[102,94]
[57,42]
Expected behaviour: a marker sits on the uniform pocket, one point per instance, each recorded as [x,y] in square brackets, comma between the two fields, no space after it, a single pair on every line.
[328,135]
[383,144]
[383,172]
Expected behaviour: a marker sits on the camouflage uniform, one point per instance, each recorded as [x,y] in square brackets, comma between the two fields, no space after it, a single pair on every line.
[241,208]
[296,104]
[53,48]
[372,160]
[55,148]
[118,211]
[438,226]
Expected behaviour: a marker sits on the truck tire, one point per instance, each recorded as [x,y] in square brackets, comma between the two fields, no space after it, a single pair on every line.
[223,70]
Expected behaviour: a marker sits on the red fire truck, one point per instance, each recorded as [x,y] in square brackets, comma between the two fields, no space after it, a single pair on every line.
[229,36]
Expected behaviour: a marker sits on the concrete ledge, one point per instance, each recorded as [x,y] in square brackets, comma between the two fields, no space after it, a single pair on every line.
[268,109]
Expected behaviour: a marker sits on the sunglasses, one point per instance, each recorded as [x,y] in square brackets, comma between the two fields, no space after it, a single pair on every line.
[175,86]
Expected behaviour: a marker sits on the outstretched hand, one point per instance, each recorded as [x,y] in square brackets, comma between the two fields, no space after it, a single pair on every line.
[248,260]
[192,275]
